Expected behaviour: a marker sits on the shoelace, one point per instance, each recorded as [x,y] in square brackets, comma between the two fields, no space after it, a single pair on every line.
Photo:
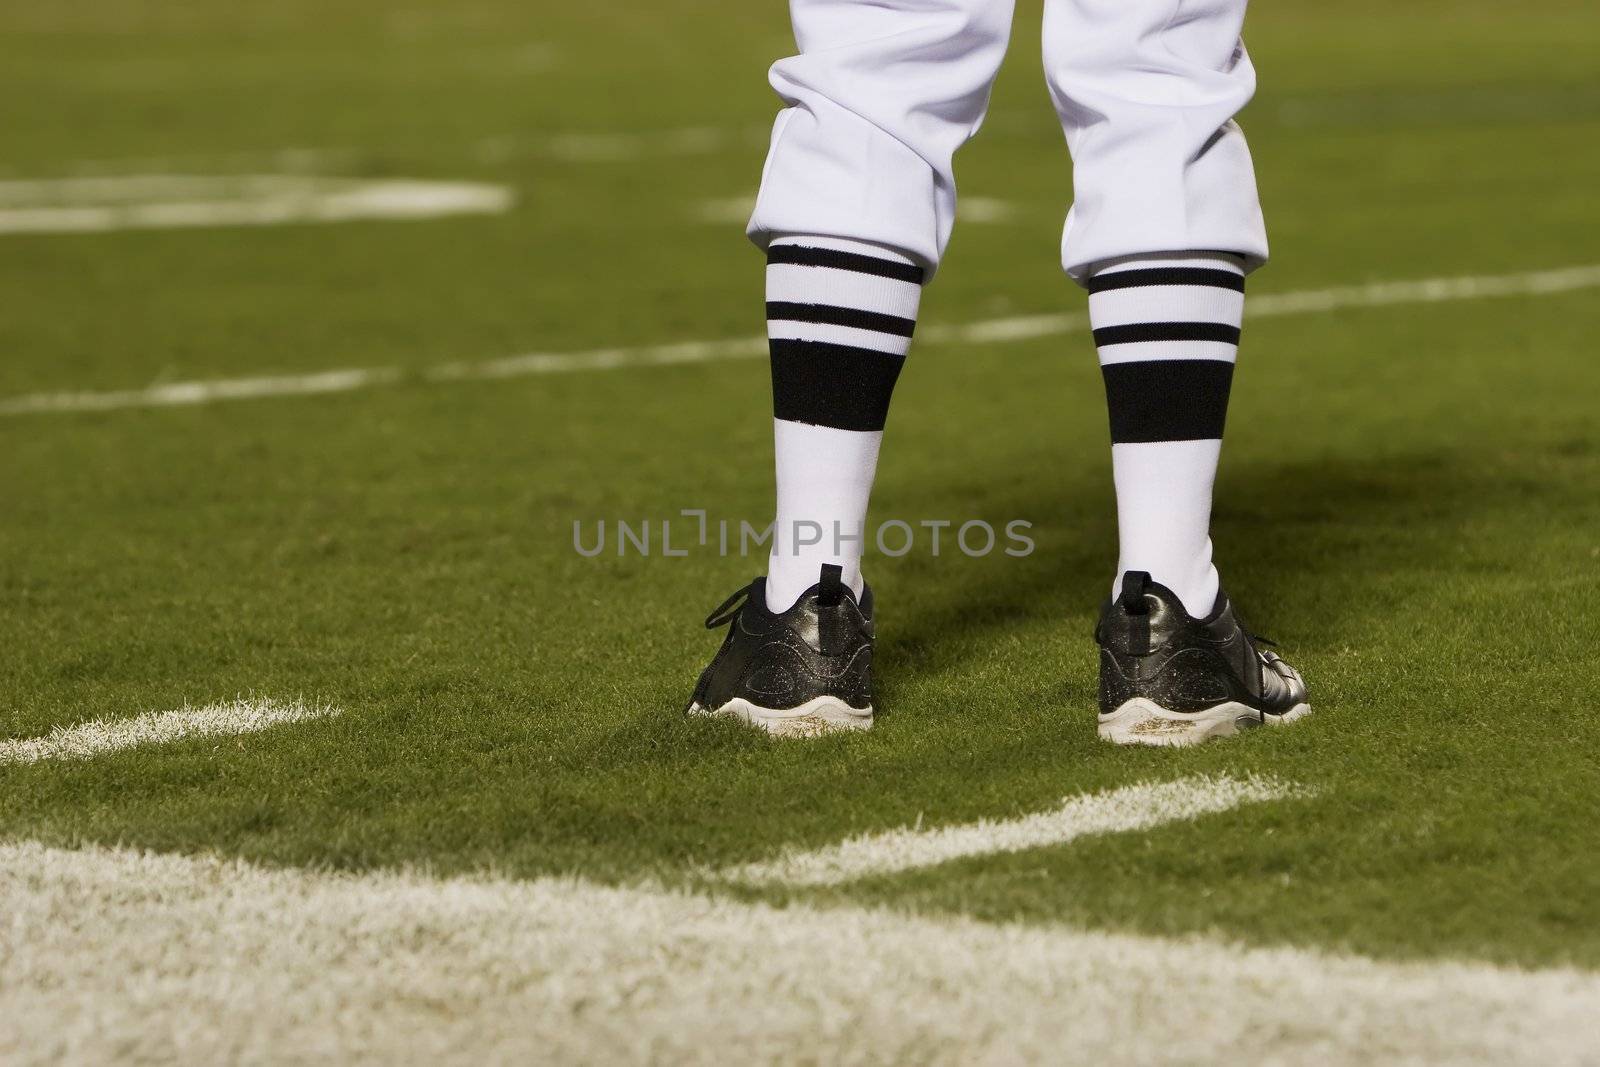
[1252,635]
[729,609]
[1255,638]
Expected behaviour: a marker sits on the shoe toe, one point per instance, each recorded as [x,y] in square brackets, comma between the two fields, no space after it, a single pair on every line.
[1283,683]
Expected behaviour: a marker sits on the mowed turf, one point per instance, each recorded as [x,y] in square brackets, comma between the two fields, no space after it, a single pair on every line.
[1408,500]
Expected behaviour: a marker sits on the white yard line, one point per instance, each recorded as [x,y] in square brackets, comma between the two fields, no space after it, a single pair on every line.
[97,737]
[577,146]
[112,955]
[623,146]
[1301,302]
[165,201]
[724,210]
[288,160]
[185,394]
[534,363]
[987,210]
[984,331]
[1135,807]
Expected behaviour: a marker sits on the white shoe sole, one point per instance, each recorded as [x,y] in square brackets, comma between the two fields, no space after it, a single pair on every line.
[1144,722]
[814,718]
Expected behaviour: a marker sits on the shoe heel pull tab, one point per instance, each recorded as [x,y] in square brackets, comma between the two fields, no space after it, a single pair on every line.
[1133,604]
[830,589]
[1134,586]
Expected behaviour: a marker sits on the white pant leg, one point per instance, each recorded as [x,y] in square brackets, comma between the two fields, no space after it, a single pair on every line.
[881,95]
[1147,91]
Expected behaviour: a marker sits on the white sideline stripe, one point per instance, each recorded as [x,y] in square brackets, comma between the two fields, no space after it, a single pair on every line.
[986,331]
[571,147]
[111,955]
[1135,807]
[985,210]
[164,201]
[185,394]
[97,737]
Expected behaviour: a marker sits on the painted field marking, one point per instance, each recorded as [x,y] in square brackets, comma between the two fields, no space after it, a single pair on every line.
[189,394]
[97,737]
[984,331]
[621,147]
[574,146]
[112,955]
[1135,807]
[1480,105]
[986,210]
[166,201]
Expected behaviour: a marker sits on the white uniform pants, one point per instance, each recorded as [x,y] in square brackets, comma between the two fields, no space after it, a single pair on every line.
[883,92]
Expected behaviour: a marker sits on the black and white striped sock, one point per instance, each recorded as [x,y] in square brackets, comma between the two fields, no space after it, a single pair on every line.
[1167,329]
[840,315]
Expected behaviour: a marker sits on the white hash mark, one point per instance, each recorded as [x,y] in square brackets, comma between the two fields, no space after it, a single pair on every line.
[97,737]
[1135,807]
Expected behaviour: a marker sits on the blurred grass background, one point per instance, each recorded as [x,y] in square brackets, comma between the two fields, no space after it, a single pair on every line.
[1407,501]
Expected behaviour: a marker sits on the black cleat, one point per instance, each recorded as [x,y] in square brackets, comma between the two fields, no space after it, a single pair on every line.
[1167,678]
[801,673]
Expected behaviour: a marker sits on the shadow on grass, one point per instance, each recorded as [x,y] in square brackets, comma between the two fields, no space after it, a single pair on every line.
[1328,546]
[1312,548]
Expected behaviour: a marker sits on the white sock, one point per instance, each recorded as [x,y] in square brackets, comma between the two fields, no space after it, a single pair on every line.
[1167,328]
[839,321]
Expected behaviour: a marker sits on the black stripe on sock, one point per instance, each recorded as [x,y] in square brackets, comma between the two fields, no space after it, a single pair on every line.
[1166,331]
[1167,399]
[1129,279]
[801,255]
[825,384]
[839,316]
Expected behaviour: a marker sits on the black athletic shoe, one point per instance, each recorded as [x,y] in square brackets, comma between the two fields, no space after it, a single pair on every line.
[799,673]
[1167,678]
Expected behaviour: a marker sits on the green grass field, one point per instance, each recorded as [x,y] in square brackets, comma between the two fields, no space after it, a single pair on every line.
[1409,502]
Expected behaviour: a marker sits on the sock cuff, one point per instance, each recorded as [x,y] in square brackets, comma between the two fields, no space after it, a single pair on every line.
[1137,308]
[1222,261]
[840,316]
[842,244]
[1167,330]
[1167,400]
[838,386]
